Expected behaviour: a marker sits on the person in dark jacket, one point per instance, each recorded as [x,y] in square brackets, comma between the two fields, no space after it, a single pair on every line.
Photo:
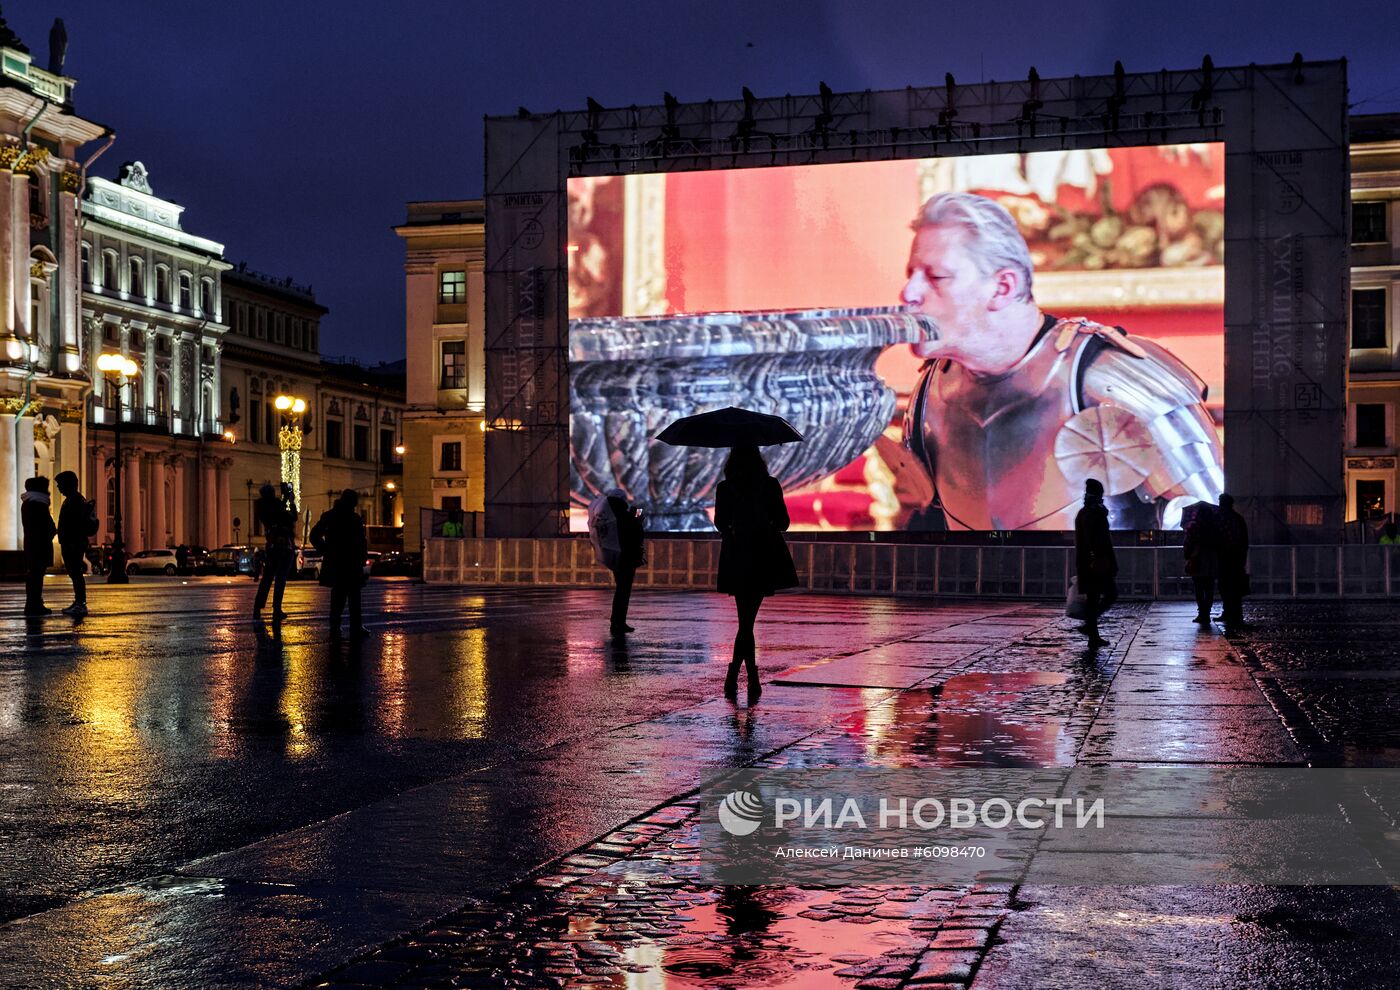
[632,540]
[340,536]
[39,532]
[1094,560]
[278,518]
[74,528]
[1201,559]
[754,561]
[1233,543]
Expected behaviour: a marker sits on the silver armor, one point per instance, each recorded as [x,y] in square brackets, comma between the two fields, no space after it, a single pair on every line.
[1012,451]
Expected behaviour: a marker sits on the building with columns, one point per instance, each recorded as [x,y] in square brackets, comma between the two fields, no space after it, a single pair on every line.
[43,368]
[352,423]
[445,321]
[151,292]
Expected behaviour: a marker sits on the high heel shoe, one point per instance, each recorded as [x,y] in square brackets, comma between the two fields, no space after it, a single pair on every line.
[731,681]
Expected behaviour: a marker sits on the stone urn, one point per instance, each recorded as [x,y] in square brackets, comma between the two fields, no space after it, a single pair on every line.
[631,376]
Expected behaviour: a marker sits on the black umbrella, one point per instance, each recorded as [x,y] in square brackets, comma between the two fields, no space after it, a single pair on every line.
[729,427]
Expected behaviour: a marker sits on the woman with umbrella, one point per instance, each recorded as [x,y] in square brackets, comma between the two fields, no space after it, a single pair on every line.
[751,517]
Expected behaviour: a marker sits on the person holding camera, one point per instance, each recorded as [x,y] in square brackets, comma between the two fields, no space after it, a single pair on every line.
[277,514]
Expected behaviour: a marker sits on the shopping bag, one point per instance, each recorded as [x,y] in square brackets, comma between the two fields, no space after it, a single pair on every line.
[1076,602]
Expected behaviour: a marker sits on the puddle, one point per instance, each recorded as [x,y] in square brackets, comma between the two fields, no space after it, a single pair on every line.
[980,720]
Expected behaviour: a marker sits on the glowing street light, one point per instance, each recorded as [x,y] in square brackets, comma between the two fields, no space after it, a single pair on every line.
[120,370]
[289,438]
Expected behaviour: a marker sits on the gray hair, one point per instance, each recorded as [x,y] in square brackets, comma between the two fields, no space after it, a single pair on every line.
[994,240]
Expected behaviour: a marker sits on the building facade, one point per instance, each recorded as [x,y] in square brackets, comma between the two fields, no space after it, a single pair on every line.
[1373,388]
[445,319]
[151,293]
[43,365]
[350,429]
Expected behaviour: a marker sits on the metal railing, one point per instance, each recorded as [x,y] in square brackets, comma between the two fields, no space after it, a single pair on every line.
[1333,571]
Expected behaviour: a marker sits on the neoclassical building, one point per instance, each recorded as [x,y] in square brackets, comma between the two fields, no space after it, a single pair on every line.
[43,368]
[445,328]
[151,292]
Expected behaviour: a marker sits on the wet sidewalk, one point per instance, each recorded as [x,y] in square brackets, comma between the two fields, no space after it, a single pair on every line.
[491,793]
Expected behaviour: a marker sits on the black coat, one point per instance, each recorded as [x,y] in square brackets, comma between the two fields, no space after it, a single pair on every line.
[73,522]
[1094,559]
[38,531]
[278,518]
[629,533]
[340,536]
[753,556]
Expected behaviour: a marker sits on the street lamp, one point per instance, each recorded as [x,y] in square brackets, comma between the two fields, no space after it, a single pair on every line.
[289,440]
[120,370]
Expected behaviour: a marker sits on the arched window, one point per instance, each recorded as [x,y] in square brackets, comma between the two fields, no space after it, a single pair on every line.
[162,284]
[162,397]
[109,270]
[136,277]
[186,294]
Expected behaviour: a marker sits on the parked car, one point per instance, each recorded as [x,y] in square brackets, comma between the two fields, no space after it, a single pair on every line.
[314,566]
[397,563]
[232,560]
[152,562]
[308,563]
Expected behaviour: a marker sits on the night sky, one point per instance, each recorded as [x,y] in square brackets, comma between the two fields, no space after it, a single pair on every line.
[295,132]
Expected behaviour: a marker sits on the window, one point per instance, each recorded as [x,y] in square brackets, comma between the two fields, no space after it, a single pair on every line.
[450,502]
[386,448]
[135,277]
[87,264]
[1367,318]
[270,421]
[451,458]
[452,288]
[109,271]
[262,324]
[1370,499]
[335,432]
[206,296]
[454,364]
[279,323]
[186,295]
[359,439]
[254,420]
[297,335]
[1370,424]
[1368,222]
[162,284]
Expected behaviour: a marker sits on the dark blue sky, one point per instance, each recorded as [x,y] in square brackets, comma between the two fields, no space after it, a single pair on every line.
[294,132]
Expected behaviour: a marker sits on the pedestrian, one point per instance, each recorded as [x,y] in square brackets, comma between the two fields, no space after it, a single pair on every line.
[182,558]
[77,522]
[39,532]
[615,528]
[278,517]
[1202,559]
[340,536]
[1094,560]
[754,561]
[1233,545]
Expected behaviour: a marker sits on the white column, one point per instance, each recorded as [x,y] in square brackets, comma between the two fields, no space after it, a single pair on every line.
[209,508]
[65,281]
[160,530]
[132,509]
[9,232]
[94,482]
[225,509]
[19,260]
[16,464]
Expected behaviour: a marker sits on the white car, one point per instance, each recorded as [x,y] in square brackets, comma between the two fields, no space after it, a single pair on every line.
[152,562]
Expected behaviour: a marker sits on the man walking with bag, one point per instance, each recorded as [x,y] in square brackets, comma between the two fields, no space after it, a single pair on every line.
[616,533]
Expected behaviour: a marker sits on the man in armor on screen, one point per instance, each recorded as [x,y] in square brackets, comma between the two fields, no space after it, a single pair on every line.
[1015,409]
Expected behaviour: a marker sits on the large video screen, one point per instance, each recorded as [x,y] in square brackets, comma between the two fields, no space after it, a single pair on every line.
[962,342]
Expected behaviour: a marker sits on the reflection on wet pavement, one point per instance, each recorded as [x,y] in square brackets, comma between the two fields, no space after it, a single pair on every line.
[188,797]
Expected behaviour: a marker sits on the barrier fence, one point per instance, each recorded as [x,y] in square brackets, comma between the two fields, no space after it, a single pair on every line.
[1348,571]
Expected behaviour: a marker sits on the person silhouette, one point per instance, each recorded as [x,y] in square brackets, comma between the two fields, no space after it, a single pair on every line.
[340,536]
[37,521]
[1094,560]
[1201,550]
[754,561]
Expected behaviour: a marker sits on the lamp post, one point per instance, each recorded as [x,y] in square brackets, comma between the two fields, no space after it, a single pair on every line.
[289,441]
[119,370]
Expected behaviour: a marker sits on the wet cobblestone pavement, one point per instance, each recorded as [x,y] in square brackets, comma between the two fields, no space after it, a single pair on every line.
[495,795]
